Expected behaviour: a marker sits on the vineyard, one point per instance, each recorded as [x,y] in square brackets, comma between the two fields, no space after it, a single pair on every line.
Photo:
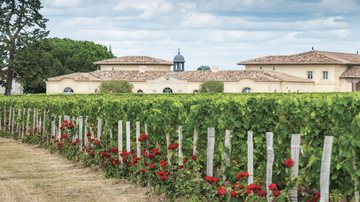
[163,141]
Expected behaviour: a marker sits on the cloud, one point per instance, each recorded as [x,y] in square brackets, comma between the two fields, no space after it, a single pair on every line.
[146,9]
[209,32]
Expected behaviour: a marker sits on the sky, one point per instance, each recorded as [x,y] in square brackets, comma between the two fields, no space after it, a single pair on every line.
[208,32]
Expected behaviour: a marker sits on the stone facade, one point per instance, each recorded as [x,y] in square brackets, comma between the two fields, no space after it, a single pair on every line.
[314,71]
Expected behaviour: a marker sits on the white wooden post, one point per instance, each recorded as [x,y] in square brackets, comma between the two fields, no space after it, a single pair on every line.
[99,125]
[120,138]
[147,141]
[270,161]
[325,169]
[210,152]
[180,134]
[110,131]
[9,124]
[128,136]
[43,126]
[81,132]
[227,150]
[86,131]
[23,123]
[27,121]
[13,121]
[34,120]
[195,139]
[66,118]
[295,153]
[138,144]
[250,155]
[53,128]
[59,128]
[4,118]
[168,150]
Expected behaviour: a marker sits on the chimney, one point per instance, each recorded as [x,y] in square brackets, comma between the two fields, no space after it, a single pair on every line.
[215,68]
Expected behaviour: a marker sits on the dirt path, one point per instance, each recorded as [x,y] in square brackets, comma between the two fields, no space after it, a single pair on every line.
[28,173]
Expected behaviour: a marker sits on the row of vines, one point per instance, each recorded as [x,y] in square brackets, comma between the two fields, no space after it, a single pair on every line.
[314,116]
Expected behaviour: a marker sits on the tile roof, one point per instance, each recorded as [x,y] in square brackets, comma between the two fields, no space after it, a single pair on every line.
[351,72]
[134,60]
[310,57]
[192,76]
[76,76]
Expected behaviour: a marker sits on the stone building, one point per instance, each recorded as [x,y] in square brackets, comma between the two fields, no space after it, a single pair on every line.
[314,71]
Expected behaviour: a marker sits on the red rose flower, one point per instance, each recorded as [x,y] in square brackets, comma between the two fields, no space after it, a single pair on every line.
[242,175]
[143,170]
[233,194]
[215,180]
[143,137]
[97,142]
[163,164]
[221,191]
[173,146]
[289,163]
[185,159]
[152,166]
[276,193]
[193,157]
[262,193]
[63,136]
[180,166]
[113,149]
[272,186]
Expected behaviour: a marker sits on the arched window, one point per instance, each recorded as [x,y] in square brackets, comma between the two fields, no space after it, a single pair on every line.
[246,90]
[68,90]
[167,90]
[140,91]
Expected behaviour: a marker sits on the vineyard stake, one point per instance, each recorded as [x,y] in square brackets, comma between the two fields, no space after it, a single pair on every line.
[250,155]
[210,152]
[167,148]
[270,161]
[196,136]
[99,125]
[86,130]
[138,144]
[80,131]
[120,138]
[295,153]
[180,145]
[128,136]
[227,150]
[325,169]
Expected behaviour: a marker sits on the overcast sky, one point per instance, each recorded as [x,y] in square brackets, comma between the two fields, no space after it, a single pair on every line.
[209,32]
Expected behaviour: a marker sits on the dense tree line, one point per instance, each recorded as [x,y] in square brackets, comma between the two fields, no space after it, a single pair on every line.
[55,56]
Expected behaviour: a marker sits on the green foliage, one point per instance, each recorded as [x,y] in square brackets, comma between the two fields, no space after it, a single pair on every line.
[53,57]
[116,86]
[212,87]
[21,24]
[203,68]
[313,115]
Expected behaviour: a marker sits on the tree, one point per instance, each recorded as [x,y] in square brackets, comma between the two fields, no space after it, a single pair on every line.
[21,24]
[54,57]
[116,86]
[212,87]
[203,68]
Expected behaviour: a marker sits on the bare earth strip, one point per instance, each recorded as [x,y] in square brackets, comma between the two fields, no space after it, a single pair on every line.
[28,173]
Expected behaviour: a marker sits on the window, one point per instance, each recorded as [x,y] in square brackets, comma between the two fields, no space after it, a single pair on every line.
[325,75]
[246,90]
[68,90]
[309,75]
[195,91]
[167,90]
[140,91]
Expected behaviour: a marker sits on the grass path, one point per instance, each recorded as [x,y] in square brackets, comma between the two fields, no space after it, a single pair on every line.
[28,173]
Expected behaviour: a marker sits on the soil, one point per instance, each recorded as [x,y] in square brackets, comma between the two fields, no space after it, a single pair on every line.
[29,173]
